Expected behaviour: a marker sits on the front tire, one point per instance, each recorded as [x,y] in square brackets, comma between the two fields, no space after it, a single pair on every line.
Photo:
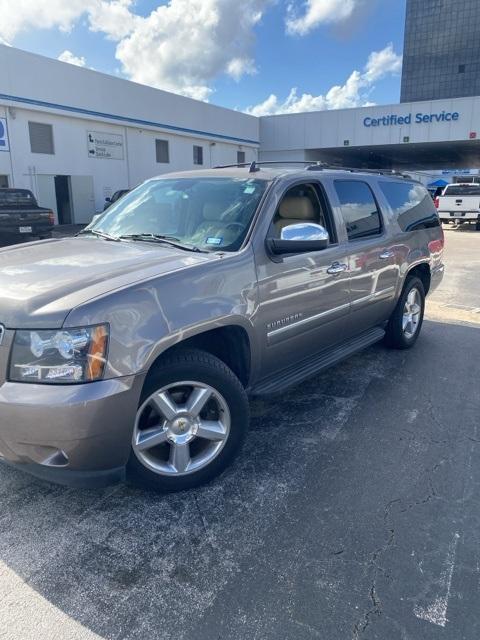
[406,321]
[191,422]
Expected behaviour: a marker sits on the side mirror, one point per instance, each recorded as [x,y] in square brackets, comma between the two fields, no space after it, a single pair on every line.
[108,199]
[299,238]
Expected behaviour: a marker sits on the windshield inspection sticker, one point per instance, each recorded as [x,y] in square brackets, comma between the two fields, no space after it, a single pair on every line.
[212,240]
[249,189]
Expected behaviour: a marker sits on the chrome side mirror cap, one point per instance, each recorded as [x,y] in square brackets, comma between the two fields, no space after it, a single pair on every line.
[304,231]
[301,237]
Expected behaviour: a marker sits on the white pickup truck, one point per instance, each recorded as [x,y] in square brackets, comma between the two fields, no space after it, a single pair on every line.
[461,203]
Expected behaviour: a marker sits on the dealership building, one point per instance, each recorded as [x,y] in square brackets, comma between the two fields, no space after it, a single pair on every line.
[74,136]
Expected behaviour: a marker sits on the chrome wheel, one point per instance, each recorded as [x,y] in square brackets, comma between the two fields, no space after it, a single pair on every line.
[412,313]
[181,428]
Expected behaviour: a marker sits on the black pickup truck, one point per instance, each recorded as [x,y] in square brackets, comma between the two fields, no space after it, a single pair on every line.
[21,219]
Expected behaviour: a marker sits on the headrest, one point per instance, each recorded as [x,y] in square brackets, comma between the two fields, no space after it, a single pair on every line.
[213,210]
[297,208]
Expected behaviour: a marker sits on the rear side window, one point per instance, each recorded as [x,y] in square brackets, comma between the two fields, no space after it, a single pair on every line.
[411,204]
[359,209]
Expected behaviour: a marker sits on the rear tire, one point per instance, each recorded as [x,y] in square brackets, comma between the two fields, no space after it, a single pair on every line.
[191,423]
[477,225]
[406,320]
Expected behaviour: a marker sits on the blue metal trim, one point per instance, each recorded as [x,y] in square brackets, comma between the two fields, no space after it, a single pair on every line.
[110,116]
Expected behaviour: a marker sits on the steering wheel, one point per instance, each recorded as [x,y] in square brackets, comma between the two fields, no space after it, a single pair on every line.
[235,224]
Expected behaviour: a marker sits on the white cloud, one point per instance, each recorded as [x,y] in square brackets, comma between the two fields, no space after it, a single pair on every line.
[238,67]
[381,63]
[183,45]
[316,12]
[353,93]
[20,15]
[70,58]
[113,18]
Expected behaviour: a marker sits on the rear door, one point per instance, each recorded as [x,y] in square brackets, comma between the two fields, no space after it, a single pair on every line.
[303,298]
[374,256]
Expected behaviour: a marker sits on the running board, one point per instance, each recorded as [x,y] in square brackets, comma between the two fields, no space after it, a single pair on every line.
[314,364]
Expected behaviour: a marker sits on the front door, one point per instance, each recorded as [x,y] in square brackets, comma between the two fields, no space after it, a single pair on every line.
[303,298]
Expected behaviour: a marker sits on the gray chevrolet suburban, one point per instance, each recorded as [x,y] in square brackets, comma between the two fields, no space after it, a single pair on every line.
[131,349]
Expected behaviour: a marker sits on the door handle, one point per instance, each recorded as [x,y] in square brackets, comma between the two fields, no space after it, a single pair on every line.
[386,255]
[337,267]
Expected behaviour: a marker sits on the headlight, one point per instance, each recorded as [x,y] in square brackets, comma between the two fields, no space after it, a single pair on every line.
[63,356]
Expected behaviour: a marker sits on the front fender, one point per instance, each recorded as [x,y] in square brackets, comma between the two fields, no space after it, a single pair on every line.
[149,317]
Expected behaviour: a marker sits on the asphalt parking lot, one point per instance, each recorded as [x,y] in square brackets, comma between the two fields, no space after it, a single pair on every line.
[354,512]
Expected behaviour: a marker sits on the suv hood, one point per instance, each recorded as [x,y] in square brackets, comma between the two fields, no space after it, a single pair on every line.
[41,282]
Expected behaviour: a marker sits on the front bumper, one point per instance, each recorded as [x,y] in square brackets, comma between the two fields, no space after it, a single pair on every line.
[78,435]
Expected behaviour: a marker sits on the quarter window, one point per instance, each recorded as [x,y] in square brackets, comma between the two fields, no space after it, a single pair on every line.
[359,209]
[197,155]
[411,204]
[162,151]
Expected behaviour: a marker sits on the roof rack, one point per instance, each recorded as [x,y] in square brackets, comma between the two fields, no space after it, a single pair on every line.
[381,172]
[312,165]
[254,166]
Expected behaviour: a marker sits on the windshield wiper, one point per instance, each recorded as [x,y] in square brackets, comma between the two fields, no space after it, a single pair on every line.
[155,237]
[100,234]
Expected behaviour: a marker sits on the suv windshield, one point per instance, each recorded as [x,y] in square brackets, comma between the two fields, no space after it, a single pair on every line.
[208,213]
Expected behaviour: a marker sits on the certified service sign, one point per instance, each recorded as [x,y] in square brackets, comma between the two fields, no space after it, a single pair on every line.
[4,146]
[108,146]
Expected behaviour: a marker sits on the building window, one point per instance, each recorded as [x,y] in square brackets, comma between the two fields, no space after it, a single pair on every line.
[41,137]
[197,154]
[240,157]
[162,151]
[461,68]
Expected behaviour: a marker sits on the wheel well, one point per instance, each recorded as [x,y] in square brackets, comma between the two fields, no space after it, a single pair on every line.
[229,344]
[421,271]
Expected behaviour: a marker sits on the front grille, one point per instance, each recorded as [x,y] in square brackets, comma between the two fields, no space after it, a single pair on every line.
[5,347]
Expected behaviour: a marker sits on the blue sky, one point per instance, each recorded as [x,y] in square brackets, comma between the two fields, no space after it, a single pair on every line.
[273,61]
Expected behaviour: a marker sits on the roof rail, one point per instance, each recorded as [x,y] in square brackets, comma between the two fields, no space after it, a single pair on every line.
[256,163]
[381,172]
[312,165]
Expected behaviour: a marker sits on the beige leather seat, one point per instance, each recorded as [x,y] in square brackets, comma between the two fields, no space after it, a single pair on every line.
[215,225]
[292,210]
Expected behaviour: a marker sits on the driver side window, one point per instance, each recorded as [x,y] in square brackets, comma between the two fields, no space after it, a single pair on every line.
[299,204]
